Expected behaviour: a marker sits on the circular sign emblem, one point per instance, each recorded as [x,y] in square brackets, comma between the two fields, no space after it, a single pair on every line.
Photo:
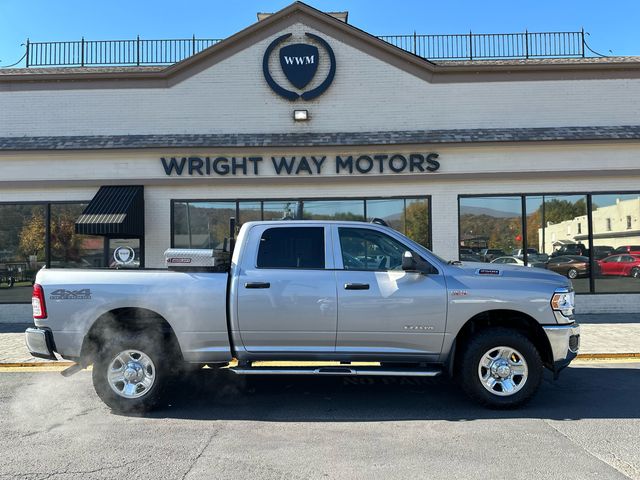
[124,255]
[299,62]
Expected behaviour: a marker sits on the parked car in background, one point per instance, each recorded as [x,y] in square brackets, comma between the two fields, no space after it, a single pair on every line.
[571,266]
[602,251]
[578,249]
[631,249]
[621,265]
[489,254]
[470,257]
[510,261]
[519,252]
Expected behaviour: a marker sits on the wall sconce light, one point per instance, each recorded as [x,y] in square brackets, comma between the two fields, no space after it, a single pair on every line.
[301,115]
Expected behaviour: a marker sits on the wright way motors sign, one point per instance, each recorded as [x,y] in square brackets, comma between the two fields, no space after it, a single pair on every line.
[301,165]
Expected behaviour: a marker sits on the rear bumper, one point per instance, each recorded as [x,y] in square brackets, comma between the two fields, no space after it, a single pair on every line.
[565,343]
[40,343]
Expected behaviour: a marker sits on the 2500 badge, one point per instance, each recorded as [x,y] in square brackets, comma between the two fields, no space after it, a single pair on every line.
[62,294]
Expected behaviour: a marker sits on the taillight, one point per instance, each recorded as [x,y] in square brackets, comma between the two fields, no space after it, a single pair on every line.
[37,302]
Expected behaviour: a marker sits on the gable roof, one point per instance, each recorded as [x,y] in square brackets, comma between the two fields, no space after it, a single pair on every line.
[448,71]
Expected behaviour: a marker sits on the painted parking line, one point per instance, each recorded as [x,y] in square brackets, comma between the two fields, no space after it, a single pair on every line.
[606,356]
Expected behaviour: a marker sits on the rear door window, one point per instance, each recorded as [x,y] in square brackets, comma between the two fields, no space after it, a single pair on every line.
[292,247]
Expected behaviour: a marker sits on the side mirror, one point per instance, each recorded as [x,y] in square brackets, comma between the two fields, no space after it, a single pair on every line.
[409,263]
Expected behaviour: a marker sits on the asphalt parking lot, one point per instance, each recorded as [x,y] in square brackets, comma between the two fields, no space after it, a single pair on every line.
[216,425]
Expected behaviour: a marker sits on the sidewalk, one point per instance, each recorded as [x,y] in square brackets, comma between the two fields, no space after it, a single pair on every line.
[600,335]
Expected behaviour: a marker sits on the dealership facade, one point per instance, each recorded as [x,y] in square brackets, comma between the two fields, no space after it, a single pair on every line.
[302,115]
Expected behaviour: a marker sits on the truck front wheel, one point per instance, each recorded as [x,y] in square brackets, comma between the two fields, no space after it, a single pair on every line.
[500,368]
[129,374]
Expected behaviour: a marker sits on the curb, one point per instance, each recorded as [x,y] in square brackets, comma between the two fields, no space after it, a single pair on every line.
[36,364]
[606,356]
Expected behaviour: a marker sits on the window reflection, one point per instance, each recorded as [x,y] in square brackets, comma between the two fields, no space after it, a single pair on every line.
[490,228]
[202,224]
[350,210]
[417,217]
[564,237]
[68,249]
[616,242]
[282,210]
[22,250]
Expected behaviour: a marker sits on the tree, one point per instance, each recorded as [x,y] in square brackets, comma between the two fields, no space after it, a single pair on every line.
[65,244]
[556,210]
[417,222]
[32,237]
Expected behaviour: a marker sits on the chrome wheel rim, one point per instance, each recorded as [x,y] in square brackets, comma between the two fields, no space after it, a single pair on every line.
[131,374]
[572,274]
[503,371]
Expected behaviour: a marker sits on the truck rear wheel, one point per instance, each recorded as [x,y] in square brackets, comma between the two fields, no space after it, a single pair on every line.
[500,368]
[130,373]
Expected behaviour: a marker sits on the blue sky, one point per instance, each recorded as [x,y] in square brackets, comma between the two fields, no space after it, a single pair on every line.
[613,25]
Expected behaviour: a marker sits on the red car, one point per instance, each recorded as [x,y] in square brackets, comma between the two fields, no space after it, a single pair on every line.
[630,249]
[622,265]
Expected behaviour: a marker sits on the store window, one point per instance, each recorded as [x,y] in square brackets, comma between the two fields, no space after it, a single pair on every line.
[68,249]
[616,246]
[282,210]
[560,239]
[490,228]
[204,224]
[36,235]
[22,250]
[350,210]
[598,249]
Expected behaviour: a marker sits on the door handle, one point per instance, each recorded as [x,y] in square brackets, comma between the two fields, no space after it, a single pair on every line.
[356,286]
[257,285]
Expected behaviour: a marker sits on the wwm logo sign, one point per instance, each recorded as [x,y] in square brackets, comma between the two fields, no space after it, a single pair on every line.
[307,60]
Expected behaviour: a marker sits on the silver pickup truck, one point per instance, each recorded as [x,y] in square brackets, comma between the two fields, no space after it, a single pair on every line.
[360,298]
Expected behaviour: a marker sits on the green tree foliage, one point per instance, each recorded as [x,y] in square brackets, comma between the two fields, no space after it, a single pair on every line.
[556,210]
[417,222]
[65,244]
[32,237]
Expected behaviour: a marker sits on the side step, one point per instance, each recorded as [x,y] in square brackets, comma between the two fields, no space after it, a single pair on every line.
[344,371]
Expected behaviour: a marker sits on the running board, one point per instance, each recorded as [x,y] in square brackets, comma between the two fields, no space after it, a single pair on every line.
[344,371]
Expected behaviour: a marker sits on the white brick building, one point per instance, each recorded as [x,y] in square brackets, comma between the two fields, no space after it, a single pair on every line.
[502,132]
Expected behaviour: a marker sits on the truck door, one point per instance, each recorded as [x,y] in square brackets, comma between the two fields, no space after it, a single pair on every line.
[286,300]
[381,308]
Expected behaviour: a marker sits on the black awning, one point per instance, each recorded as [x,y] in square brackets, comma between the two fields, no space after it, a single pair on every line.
[114,211]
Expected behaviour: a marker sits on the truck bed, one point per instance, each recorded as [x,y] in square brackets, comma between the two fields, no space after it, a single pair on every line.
[193,303]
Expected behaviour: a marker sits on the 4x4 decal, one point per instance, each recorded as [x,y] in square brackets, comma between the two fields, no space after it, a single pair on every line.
[62,294]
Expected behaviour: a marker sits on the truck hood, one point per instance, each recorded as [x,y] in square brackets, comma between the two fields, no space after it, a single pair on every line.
[488,270]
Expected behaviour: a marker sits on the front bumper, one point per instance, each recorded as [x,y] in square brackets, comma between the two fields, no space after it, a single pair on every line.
[565,343]
[40,343]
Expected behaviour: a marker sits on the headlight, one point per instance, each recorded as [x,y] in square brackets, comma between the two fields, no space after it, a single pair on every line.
[563,301]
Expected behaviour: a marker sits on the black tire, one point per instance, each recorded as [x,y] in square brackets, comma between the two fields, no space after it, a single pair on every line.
[572,273]
[483,342]
[151,398]
[635,272]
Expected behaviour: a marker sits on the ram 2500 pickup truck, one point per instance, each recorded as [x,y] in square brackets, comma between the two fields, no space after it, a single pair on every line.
[340,293]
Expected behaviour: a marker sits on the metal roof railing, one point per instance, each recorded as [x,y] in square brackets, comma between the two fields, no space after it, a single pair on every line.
[468,46]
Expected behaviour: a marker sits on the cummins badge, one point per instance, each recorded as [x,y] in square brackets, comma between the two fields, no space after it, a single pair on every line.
[299,63]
